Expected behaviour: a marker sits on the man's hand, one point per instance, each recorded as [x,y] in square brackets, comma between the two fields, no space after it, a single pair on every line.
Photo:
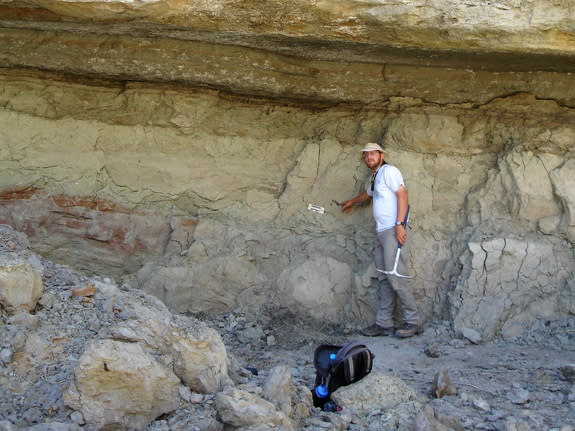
[400,234]
[350,203]
[347,205]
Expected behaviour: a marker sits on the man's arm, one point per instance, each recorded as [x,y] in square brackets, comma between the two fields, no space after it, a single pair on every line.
[402,205]
[349,204]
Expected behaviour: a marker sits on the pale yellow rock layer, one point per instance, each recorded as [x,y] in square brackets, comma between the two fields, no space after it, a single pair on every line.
[502,25]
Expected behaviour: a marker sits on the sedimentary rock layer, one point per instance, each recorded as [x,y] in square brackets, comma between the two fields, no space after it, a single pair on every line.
[178,145]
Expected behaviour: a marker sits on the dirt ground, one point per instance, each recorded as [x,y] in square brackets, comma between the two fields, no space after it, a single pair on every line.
[523,384]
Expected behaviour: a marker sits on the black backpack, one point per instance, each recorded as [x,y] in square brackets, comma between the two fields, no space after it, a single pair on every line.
[338,366]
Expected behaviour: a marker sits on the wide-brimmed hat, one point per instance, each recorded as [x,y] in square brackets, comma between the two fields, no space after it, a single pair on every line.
[372,146]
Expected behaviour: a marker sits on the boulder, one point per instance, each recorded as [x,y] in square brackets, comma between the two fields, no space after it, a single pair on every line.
[278,388]
[198,353]
[375,391]
[200,357]
[20,283]
[390,403]
[118,385]
[240,408]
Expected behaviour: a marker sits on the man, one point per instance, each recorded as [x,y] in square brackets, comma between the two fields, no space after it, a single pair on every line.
[390,209]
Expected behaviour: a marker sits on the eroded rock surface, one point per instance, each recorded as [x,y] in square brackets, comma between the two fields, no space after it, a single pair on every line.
[177,147]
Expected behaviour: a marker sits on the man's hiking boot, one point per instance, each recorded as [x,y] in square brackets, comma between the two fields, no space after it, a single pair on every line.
[377,331]
[409,330]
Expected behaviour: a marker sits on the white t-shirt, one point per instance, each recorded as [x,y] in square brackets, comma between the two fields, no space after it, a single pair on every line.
[388,179]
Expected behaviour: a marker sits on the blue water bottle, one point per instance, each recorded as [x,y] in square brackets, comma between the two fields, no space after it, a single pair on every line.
[321,391]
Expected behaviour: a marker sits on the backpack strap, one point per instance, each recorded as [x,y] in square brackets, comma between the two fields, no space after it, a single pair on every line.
[352,373]
[345,358]
[344,351]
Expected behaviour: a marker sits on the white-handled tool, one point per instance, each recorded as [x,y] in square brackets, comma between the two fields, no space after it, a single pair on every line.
[397,253]
[316,208]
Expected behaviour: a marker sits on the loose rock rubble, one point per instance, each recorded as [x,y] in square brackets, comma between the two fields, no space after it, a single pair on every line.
[263,377]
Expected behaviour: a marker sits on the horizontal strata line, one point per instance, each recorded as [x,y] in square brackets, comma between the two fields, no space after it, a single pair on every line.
[332,50]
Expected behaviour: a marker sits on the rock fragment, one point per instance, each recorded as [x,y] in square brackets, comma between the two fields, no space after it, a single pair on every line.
[442,384]
[20,283]
[471,335]
[277,388]
[87,290]
[432,351]
[481,404]
[240,408]
[568,372]
[519,396]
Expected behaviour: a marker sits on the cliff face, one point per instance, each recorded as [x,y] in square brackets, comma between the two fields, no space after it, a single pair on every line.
[178,145]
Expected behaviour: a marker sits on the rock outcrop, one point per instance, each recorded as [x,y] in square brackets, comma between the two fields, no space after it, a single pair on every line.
[92,355]
[177,147]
